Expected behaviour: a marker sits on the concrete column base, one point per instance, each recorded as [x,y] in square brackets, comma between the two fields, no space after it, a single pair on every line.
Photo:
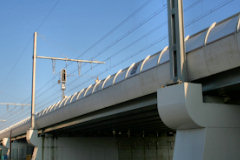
[205,131]
[207,144]
[33,139]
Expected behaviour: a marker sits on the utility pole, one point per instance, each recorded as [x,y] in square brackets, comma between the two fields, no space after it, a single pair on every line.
[34,74]
[176,41]
[33,81]
[10,147]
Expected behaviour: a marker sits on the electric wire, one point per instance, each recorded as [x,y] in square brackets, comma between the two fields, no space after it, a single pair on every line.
[109,46]
[112,30]
[29,40]
[139,26]
[130,32]
[28,43]
[115,28]
[211,11]
[126,47]
[185,9]
[121,62]
[108,33]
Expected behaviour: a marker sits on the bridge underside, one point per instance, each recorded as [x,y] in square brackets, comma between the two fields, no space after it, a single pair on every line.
[130,130]
[133,118]
[225,86]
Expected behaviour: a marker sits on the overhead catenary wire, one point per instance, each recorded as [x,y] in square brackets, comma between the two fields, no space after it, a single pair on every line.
[219,6]
[131,56]
[131,31]
[116,27]
[28,43]
[185,9]
[140,26]
[211,11]
[30,40]
[112,30]
[108,33]
[129,45]
[189,6]
[194,3]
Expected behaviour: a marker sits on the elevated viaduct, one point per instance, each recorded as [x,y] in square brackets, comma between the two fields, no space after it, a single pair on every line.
[138,114]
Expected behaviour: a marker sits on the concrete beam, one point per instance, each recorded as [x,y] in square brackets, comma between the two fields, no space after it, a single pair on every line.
[204,130]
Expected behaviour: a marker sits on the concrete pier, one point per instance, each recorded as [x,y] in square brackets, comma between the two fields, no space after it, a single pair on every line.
[204,131]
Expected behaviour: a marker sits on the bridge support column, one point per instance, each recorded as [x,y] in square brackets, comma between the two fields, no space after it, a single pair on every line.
[205,131]
[33,139]
[6,146]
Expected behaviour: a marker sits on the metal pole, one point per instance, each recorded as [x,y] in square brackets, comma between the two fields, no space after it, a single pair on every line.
[176,41]
[63,95]
[33,81]
[10,147]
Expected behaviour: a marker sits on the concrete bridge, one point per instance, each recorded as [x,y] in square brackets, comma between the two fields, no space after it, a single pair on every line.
[138,114]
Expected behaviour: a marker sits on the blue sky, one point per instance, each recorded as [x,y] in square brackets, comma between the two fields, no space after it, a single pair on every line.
[67,28]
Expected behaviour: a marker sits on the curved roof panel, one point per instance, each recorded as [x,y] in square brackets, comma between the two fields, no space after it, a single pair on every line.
[97,86]
[89,90]
[150,62]
[116,75]
[81,94]
[63,101]
[73,97]
[195,41]
[135,69]
[121,76]
[223,29]
[108,81]
[163,52]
